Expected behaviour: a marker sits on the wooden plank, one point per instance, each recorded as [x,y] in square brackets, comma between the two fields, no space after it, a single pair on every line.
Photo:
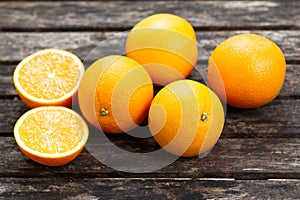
[14,46]
[290,88]
[121,15]
[134,0]
[278,119]
[10,111]
[254,158]
[7,88]
[99,188]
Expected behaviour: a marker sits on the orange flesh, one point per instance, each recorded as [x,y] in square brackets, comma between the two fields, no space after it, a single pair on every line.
[49,76]
[51,131]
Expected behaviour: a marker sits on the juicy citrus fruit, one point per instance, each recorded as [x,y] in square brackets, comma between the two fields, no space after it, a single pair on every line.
[115,94]
[186,118]
[48,77]
[165,45]
[247,70]
[51,135]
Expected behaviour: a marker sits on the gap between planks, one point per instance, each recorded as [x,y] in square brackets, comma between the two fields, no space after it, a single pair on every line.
[114,29]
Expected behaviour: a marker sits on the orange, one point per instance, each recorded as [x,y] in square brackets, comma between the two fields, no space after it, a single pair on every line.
[247,70]
[51,135]
[165,45]
[115,94]
[48,77]
[186,118]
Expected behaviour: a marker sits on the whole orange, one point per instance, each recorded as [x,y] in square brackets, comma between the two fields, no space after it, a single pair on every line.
[186,118]
[165,45]
[247,70]
[115,94]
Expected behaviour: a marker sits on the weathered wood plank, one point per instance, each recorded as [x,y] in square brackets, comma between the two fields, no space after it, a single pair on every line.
[278,119]
[10,111]
[122,15]
[290,88]
[101,188]
[15,46]
[255,158]
[6,81]
[136,0]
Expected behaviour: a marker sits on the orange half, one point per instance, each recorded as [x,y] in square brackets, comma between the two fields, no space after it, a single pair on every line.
[48,77]
[51,135]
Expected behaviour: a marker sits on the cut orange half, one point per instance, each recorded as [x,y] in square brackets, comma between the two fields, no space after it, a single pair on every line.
[48,77]
[51,135]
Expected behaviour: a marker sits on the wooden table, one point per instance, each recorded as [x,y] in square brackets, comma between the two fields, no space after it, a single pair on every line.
[258,154]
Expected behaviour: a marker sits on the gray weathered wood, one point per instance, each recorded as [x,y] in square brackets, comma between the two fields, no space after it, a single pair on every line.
[291,85]
[102,188]
[254,158]
[280,118]
[15,46]
[6,81]
[10,111]
[256,144]
[121,15]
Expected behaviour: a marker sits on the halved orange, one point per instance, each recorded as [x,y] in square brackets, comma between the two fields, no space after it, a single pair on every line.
[51,135]
[48,77]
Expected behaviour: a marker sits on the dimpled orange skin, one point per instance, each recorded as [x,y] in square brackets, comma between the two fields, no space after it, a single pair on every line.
[248,69]
[119,86]
[173,104]
[163,62]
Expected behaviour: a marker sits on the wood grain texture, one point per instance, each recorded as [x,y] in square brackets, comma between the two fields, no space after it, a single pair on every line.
[10,111]
[14,46]
[255,158]
[256,144]
[290,88]
[99,188]
[121,15]
[278,119]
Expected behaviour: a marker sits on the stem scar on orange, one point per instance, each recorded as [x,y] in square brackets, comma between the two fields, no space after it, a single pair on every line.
[48,77]
[115,94]
[247,70]
[51,135]
[165,45]
[186,118]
